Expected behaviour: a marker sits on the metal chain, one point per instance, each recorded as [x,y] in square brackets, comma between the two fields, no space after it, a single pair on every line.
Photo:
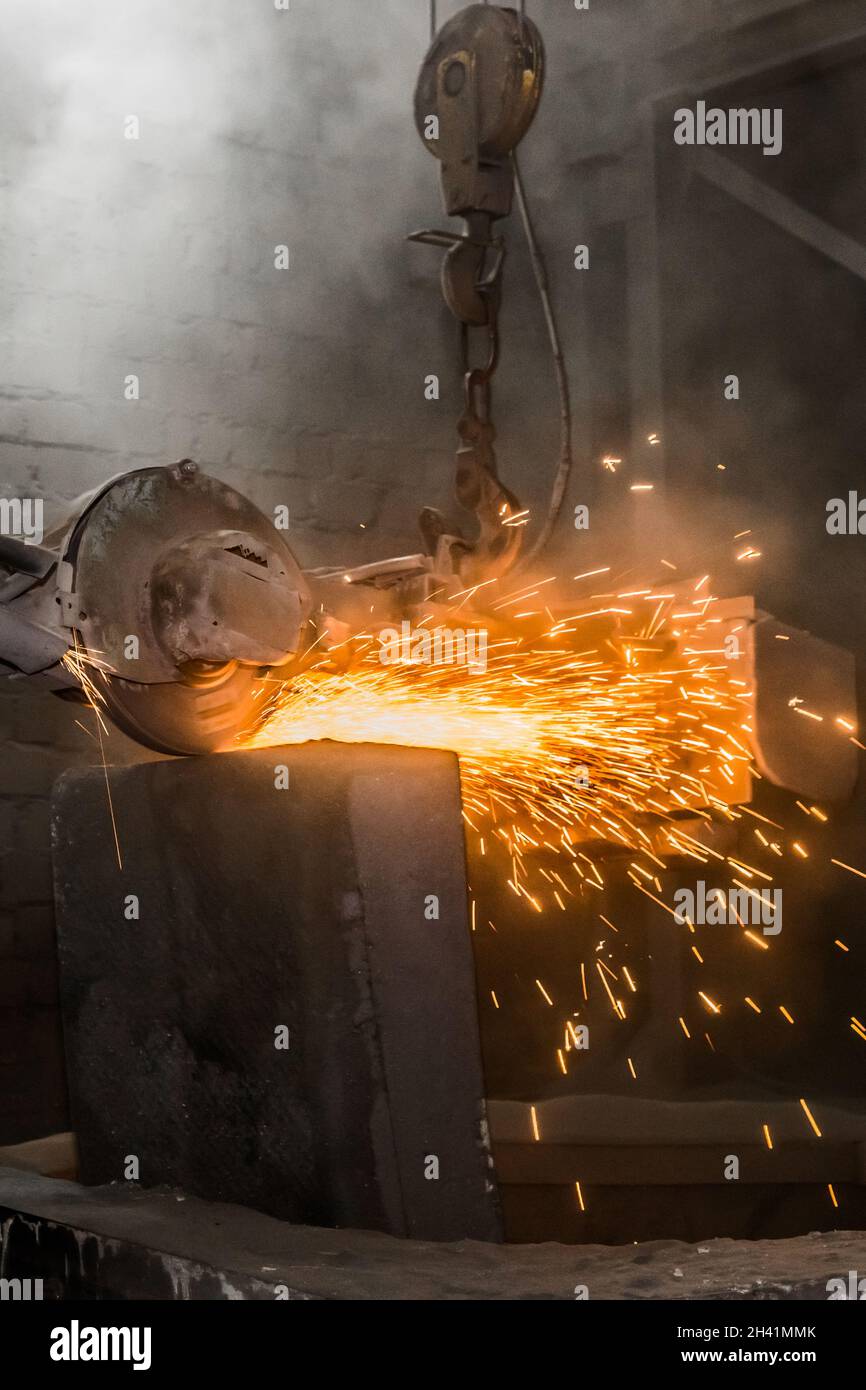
[477,484]
[486,372]
[477,380]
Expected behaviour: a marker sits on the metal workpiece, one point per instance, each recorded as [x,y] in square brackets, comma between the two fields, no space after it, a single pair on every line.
[259,909]
[792,669]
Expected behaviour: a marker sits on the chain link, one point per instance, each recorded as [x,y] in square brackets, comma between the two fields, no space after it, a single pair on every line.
[477,380]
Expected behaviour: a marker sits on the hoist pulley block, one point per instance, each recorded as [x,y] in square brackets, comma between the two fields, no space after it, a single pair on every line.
[481,83]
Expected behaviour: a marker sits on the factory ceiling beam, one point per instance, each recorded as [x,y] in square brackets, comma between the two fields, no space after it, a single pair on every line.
[785,47]
[782,211]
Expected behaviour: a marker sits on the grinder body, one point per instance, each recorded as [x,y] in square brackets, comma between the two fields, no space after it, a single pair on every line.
[169,596]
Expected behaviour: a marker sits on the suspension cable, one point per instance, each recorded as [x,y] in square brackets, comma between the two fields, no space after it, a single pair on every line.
[563,471]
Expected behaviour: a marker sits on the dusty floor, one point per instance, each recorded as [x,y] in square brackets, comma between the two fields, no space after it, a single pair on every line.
[171,1246]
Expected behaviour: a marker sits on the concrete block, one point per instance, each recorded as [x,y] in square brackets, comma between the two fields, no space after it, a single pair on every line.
[306,909]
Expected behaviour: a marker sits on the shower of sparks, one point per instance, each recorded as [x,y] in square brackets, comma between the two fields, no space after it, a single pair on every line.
[562,747]
[618,727]
[614,731]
